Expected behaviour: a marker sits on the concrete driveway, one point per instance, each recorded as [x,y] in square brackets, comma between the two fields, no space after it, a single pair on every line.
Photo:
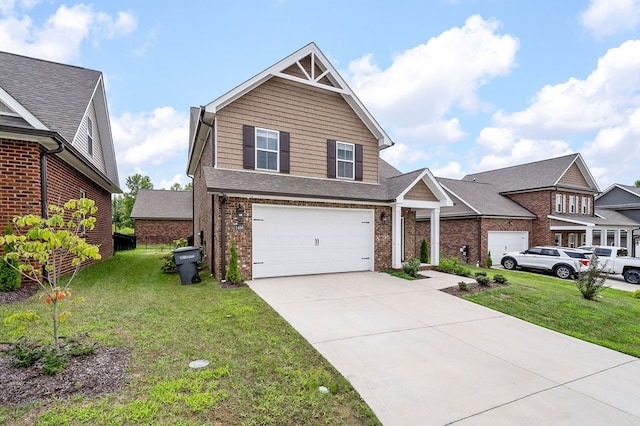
[419,356]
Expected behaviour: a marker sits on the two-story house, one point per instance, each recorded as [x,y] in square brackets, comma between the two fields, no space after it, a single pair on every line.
[548,202]
[55,141]
[624,200]
[286,166]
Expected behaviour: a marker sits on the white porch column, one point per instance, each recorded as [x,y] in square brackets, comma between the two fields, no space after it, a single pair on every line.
[396,236]
[589,236]
[435,236]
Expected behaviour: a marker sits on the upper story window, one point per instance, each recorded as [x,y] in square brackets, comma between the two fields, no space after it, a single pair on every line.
[267,149]
[345,160]
[560,203]
[586,205]
[89,136]
[572,204]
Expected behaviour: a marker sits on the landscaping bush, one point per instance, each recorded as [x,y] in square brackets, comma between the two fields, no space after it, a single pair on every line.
[461,270]
[463,286]
[499,278]
[169,264]
[9,274]
[480,274]
[591,282]
[636,294]
[233,271]
[447,265]
[424,251]
[483,279]
[489,261]
[412,267]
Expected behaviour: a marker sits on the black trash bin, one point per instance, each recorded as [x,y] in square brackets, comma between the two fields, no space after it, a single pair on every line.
[187,259]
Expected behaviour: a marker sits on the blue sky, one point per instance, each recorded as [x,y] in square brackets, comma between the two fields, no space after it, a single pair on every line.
[461,86]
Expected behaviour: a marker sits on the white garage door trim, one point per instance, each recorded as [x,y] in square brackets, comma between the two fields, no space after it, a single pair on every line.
[299,240]
[499,242]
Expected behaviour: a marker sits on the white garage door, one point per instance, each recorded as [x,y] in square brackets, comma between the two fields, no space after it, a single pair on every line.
[504,241]
[300,240]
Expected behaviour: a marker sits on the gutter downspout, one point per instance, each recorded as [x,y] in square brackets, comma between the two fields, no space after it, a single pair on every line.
[43,175]
[223,235]
[480,240]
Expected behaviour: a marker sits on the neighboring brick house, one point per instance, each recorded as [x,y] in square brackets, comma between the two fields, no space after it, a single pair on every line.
[549,202]
[623,200]
[287,166]
[162,216]
[55,141]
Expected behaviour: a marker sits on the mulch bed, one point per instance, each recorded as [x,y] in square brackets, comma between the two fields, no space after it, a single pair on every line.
[23,293]
[472,288]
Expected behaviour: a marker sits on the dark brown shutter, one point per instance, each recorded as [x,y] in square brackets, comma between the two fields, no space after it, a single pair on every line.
[331,158]
[284,152]
[358,171]
[248,147]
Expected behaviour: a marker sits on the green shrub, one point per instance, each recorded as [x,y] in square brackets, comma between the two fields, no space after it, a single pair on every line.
[424,251]
[489,261]
[9,274]
[499,278]
[169,263]
[461,270]
[480,274]
[463,286]
[592,281]
[233,271]
[636,294]
[447,265]
[412,267]
[483,280]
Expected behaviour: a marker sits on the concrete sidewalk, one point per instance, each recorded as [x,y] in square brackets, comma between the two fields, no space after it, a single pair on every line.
[419,356]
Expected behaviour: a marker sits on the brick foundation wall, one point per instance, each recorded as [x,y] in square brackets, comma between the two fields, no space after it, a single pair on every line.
[162,231]
[382,232]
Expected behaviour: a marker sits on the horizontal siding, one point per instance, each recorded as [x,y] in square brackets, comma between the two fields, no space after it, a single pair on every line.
[309,114]
[421,192]
[81,141]
[574,177]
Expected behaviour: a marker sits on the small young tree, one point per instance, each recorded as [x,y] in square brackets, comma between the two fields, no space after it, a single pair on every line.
[424,252]
[592,281]
[233,271]
[489,261]
[9,273]
[45,245]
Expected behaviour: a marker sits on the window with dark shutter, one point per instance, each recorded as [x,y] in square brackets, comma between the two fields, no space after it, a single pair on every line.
[248,147]
[331,158]
[358,174]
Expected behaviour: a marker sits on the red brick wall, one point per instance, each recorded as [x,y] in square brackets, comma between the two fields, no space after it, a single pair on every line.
[203,209]
[162,231]
[410,235]
[382,232]
[541,204]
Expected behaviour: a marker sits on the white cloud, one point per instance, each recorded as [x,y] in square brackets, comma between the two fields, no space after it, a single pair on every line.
[523,151]
[150,139]
[425,82]
[182,179]
[58,38]
[452,170]
[607,17]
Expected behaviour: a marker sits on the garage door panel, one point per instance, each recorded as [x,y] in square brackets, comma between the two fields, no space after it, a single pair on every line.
[298,240]
[500,242]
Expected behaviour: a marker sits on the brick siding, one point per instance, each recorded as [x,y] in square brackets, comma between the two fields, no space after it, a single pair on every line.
[162,231]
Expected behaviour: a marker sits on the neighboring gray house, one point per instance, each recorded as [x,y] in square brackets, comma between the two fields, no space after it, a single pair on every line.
[162,216]
[623,200]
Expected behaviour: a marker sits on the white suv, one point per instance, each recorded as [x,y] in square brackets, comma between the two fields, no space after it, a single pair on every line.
[564,262]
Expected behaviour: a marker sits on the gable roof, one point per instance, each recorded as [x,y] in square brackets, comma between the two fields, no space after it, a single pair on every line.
[480,199]
[307,65]
[536,175]
[49,101]
[163,204]
[619,196]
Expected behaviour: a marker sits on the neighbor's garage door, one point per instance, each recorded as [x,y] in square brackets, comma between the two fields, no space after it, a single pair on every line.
[504,241]
[300,240]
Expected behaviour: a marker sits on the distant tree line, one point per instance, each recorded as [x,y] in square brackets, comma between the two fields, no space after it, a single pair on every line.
[122,204]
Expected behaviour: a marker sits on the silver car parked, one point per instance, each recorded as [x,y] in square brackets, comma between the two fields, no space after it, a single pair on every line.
[563,262]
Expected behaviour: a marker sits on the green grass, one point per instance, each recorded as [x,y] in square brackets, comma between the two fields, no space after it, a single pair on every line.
[612,321]
[261,371]
[399,274]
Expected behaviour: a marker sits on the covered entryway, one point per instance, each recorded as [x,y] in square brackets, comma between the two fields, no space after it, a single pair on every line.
[500,242]
[288,240]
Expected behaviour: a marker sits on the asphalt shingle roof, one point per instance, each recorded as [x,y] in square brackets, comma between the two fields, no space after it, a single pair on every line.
[539,174]
[163,204]
[56,94]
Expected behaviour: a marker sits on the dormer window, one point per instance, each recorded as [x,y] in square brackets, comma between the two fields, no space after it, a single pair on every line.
[267,149]
[89,136]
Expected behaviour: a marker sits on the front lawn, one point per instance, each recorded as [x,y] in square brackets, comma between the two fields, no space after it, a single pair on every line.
[261,371]
[612,321]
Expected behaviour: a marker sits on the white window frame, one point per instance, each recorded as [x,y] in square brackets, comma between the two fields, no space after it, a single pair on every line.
[572,204]
[276,151]
[586,205]
[352,161]
[561,201]
[90,136]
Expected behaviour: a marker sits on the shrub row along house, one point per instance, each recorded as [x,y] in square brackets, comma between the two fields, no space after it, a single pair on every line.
[55,141]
